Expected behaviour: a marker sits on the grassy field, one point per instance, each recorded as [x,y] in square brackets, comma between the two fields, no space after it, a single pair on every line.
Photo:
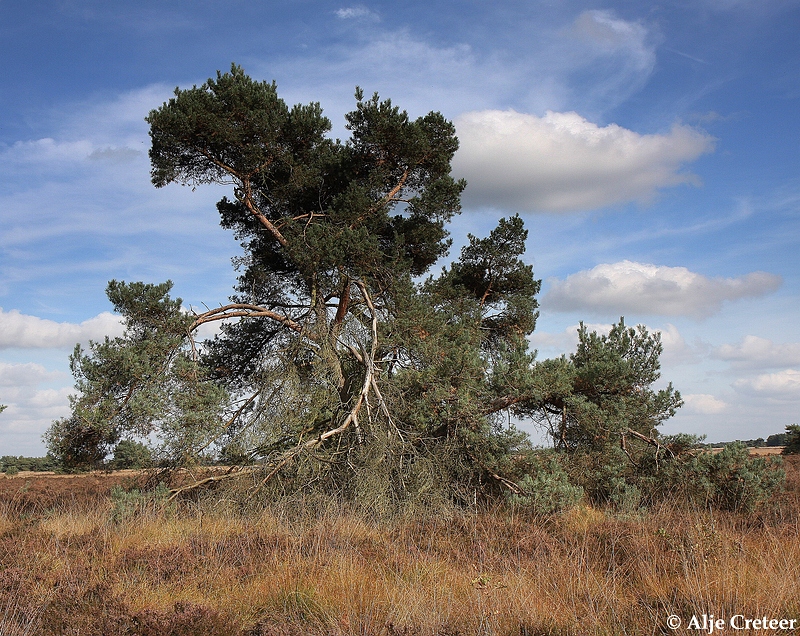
[74,560]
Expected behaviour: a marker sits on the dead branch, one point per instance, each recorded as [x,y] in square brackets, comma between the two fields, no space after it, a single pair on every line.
[175,492]
[245,310]
[505,482]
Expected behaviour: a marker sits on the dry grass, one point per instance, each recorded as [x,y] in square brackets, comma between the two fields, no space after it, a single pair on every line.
[70,568]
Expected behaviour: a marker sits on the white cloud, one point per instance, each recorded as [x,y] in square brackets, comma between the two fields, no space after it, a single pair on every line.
[610,35]
[30,412]
[562,162]
[25,374]
[46,400]
[756,352]
[626,286]
[30,332]
[564,341]
[350,13]
[703,403]
[781,385]
[676,349]
[47,150]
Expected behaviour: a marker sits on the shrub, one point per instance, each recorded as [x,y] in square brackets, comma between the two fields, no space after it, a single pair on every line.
[792,440]
[130,454]
[730,479]
[546,487]
[126,504]
[680,468]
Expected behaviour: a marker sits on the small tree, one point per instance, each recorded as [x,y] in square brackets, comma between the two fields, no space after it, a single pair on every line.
[792,446]
[131,454]
[731,479]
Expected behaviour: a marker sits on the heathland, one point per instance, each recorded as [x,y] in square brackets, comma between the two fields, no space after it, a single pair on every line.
[89,554]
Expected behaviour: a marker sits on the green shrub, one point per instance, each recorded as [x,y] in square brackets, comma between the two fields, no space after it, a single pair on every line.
[792,440]
[546,487]
[728,480]
[129,503]
[130,454]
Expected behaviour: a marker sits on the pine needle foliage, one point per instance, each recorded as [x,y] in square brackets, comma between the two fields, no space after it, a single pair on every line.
[344,366]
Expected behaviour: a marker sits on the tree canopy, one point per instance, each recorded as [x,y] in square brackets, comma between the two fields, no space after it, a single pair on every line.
[343,360]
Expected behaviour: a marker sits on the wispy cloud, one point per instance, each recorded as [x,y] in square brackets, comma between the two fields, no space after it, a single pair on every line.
[609,35]
[358,12]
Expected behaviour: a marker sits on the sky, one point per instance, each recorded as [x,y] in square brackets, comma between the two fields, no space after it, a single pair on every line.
[652,149]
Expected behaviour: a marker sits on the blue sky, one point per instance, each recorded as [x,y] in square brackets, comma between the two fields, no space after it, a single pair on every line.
[652,149]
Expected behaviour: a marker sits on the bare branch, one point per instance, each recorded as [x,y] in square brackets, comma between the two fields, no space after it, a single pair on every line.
[245,310]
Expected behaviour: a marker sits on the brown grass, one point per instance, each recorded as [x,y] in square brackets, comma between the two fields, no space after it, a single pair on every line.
[67,567]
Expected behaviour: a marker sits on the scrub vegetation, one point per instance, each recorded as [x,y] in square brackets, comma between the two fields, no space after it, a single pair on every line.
[78,560]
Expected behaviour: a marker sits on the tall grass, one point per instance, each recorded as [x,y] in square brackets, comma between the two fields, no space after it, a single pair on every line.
[202,569]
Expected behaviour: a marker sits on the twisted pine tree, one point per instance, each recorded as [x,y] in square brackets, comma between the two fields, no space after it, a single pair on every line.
[336,364]
[342,363]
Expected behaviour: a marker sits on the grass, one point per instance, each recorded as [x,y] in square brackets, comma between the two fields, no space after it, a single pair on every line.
[80,567]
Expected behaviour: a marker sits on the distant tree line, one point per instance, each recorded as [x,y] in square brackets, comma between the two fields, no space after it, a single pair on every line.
[12,464]
[778,439]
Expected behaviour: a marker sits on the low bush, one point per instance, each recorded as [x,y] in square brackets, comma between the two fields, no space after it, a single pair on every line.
[546,487]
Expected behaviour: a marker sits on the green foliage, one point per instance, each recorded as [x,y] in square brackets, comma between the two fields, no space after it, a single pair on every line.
[730,479]
[145,382]
[335,367]
[546,487]
[792,443]
[602,396]
[778,439]
[126,504]
[131,454]
[39,464]
[338,369]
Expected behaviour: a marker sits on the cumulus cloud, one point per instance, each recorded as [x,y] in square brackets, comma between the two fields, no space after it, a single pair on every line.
[565,341]
[626,286]
[25,374]
[756,352]
[781,385]
[19,330]
[703,403]
[676,349]
[562,162]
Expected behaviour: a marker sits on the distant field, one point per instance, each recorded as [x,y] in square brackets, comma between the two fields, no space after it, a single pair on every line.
[767,450]
[761,450]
